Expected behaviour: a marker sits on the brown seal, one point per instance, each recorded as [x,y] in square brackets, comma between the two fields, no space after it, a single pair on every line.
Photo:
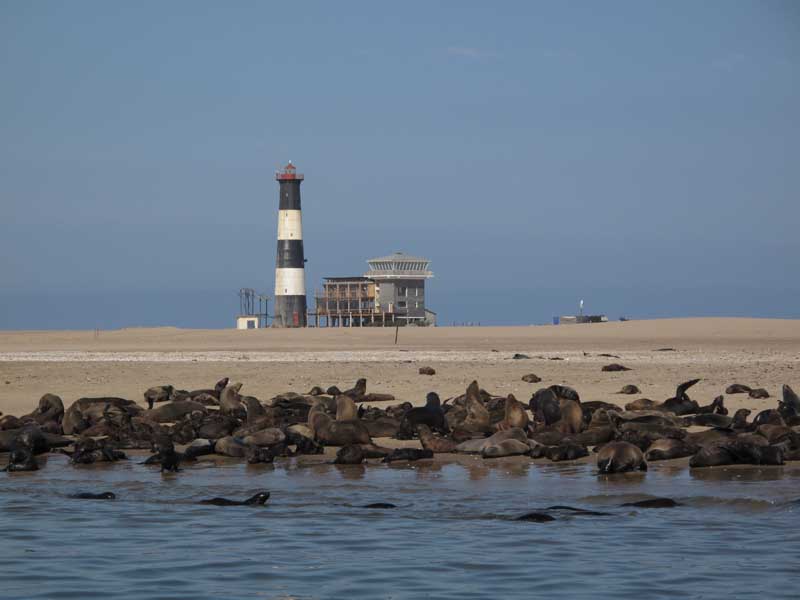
[620,457]
[515,415]
[438,445]
[336,433]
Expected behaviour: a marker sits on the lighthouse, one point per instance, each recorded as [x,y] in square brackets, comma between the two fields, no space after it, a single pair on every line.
[290,274]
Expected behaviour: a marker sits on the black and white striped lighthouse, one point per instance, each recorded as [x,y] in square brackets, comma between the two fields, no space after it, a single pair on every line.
[290,275]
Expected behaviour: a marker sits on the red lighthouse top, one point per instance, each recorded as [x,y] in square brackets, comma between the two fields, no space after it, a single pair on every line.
[289,173]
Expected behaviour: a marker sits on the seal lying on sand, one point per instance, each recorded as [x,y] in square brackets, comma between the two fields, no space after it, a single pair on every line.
[430,415]
[349,455]
[336,433]
[437,445]
[407,454]
[509,447]
[258,499]
[514,415]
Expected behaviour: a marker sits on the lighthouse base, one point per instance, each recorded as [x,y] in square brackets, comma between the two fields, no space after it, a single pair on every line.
[290,311]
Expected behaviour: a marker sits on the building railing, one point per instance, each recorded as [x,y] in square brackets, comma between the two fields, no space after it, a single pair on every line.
[281,176]
[400,273]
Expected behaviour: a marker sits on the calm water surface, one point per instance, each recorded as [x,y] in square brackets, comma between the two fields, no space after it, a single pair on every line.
[450,537]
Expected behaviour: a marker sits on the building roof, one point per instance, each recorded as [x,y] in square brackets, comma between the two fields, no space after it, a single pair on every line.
[354,278]
[398,266]
[398,257]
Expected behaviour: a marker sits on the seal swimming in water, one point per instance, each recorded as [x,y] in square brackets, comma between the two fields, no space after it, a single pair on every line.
[92,496]
[379,505]
[620,457]
[258,499]
[535,517]
[654,503]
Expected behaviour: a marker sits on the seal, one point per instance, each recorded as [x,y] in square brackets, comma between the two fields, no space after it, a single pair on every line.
[349,455]
[668,448]
[614,367]
[654,503]
[345,408]
[336,433]
[571,420]
[92,496]
[681,404]
[620,457]
[407,454]
[738,388]
[545,406]
[514,416]
[629,390]
[49,409]
[738,451]
[230,402]
[477,419]
[567,450]
[717,407]
[430,415]
[476,446]
[258,499]
[168,458]
[21,458]
[358,390]
[437,445]
[535,517]
[510,447]
[379,505]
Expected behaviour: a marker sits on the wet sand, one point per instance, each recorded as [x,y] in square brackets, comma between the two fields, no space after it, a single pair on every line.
[757,352]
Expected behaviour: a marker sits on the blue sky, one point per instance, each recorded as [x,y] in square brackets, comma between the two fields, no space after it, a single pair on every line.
[640,155]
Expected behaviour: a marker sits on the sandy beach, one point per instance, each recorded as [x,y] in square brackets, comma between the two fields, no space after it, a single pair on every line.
[758,352]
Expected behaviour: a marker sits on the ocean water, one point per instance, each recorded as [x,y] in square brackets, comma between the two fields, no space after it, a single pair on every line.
[451,536]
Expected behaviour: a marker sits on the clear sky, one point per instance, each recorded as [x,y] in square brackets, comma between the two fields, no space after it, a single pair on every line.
[642,155]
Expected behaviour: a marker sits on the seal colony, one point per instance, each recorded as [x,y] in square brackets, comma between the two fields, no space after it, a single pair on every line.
[179,427]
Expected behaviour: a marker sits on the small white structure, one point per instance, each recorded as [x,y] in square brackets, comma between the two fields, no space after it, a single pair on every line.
[247,322]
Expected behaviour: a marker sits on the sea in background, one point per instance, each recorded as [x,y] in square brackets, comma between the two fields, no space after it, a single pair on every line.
[452,534]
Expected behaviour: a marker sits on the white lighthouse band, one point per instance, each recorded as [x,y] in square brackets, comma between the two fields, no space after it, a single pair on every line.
[290,225]
[290,282]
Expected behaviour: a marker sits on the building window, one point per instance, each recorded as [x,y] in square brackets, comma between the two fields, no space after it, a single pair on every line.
[416,292]
[401,304]
[402,291]
[416,304]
